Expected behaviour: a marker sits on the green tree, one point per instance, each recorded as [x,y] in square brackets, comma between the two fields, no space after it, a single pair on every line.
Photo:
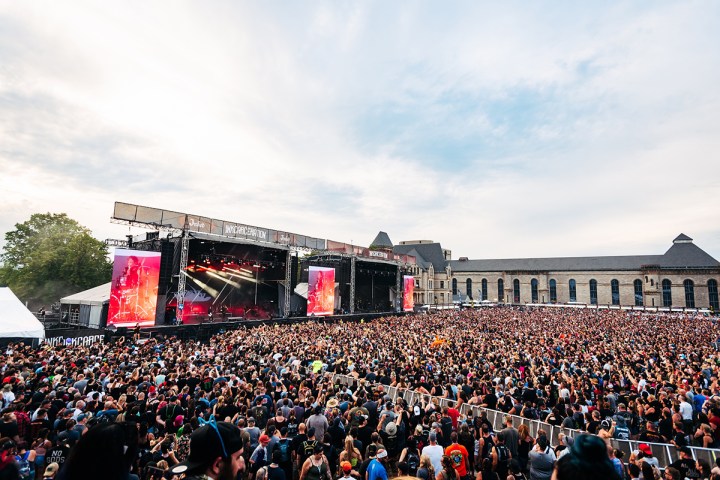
[50,256]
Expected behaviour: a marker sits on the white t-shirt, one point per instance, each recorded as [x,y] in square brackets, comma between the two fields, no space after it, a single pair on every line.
[435,454]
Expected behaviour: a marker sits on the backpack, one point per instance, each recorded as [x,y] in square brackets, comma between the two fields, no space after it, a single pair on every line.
[24,467]
[308,448]
[413,462]
[621,433]
[283,447]
[503,455]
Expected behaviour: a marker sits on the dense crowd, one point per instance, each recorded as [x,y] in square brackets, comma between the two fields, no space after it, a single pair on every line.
[259,403]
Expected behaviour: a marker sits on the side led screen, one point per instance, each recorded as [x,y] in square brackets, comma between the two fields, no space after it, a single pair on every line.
[321,291]
[133,293]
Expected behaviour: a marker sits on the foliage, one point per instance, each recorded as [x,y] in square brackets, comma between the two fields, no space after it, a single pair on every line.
[50,256]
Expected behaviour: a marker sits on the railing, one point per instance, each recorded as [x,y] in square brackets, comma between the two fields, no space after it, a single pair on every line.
[665,453]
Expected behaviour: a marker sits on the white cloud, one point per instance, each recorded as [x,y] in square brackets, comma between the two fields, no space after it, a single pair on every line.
[574,121]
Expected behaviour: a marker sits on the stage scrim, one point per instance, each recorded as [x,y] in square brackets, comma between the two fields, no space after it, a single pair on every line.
[133,295]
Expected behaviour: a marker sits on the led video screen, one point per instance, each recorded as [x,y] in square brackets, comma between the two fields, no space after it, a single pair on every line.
[408,293]
[321,291]
[134,288]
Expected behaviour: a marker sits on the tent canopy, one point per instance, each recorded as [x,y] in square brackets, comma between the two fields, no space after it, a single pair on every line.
[94,296]
[16,321]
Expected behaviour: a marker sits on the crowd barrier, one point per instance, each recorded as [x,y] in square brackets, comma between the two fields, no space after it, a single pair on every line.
[664,452]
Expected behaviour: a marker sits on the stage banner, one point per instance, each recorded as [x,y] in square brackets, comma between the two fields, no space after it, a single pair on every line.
[321,291]
[133,292]
[408,291]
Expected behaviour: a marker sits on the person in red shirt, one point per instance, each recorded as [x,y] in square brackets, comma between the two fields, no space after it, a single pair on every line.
[459,456]
[454,414]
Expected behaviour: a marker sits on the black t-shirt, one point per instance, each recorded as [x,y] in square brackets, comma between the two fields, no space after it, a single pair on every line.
[57,454]
[8,429]
[686,467]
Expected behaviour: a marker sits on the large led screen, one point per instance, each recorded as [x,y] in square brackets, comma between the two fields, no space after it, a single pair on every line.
[133,293]
[408,293]
[321,291]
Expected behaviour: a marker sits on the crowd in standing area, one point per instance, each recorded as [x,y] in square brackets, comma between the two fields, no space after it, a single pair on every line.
[260,404]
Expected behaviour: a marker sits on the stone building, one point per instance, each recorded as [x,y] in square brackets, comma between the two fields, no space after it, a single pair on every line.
[684,276]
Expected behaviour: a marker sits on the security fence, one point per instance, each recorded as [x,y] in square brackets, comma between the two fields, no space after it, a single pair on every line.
[664,452]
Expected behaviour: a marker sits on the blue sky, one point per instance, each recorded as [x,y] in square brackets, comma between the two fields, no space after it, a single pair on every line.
[501,129]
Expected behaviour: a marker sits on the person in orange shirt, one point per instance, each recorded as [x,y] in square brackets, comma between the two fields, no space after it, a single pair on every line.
[459,456]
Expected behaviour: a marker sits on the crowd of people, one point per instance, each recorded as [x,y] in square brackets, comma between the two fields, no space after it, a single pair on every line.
[260,403]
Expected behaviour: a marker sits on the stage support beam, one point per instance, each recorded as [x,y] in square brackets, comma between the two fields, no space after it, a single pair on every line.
[398,290]
[352,284]
[184,248]
[288,283]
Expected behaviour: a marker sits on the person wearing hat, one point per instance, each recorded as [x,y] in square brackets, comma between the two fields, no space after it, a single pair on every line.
[646,455]
[215,453]
[260,456]
[346,468]
[686,465]
[51,470]
[434,452]
[376,469]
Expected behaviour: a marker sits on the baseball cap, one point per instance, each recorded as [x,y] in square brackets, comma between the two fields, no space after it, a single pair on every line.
[645,448]
[264,438]
[346,466]
[209,442]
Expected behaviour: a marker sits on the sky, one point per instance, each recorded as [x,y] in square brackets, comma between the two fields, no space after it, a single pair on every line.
[500,129]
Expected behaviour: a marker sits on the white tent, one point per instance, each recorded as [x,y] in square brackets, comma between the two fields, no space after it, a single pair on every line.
[16,321]
[90,303]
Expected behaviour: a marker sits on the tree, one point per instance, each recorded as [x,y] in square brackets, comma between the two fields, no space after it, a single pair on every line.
[50,256]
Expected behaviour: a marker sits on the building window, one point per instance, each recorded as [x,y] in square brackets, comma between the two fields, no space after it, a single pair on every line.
[638,293]
[553,291]
[615,291]
[534,290]
[667,293]
[417,283]
[430,284]
[516,291]
[573,290]
[442,298]
[468,288]
[501,290]
[442,284]
[454,286]
[713,294]
[689,293]
[484,289]
[593,292]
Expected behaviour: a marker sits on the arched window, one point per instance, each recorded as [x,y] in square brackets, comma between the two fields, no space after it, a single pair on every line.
[534,290]
[553,291]
[615,291]
[516,291]
[501,290]
[573,290]
[468,288]
[593,292]
[713,294]
[667,293]
[689,293]
[484,289]
[454,286]
[637,284]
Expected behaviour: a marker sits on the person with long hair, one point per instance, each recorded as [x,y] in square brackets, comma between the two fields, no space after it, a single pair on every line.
[351,454]
[448,471]
[426,470]
[525,443]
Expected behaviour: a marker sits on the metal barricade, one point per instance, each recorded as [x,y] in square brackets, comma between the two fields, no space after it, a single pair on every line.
[665,453]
